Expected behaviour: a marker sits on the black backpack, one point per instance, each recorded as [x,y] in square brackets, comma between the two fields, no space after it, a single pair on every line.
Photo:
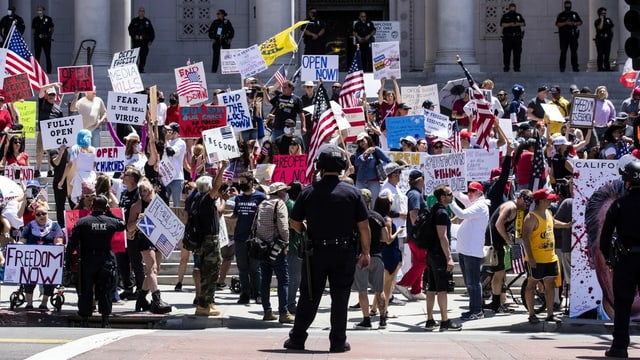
[423,231]
[193,235]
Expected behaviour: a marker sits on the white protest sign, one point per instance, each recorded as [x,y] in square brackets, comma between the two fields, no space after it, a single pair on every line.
[338,114]
[161,226]
[450,169]
[110,159]
[126,79]
[238,114]
[317,67]
[480,162]
[583,111]
[166,170]
[191,84]
[371,85]
[387,30]
[227,63]
[552,111]
[220,144]
[125,57]
[414,96]
[507,128]
[33,264]
[60,131]
[437,124]
[386,59]
[250,61]
[18,173]
[126,108]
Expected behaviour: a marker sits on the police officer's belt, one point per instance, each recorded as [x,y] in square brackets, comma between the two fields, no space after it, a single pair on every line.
[344,241]
[44,36]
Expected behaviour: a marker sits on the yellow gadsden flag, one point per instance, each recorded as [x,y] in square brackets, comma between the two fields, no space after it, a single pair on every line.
[279,44]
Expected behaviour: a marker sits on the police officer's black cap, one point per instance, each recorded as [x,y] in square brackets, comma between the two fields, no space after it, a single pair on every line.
[331,158]
[100,203]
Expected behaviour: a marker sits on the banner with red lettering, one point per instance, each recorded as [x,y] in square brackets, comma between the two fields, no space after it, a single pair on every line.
[17,87]
[118,243]
[19,173]
[450,169]
[196,119]
[289,168]
[191,84]
[110,159]
[75,78]
[33,264]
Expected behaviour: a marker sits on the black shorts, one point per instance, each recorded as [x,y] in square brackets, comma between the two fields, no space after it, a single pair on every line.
[228,252]
[500,251]
[437,274]
[544,270]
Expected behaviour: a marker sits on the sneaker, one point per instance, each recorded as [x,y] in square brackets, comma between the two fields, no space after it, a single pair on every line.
[503,309]
[450,326]
[364,324]
[269,316]
[430,325]
[419,296]
[355,306]
[472,316]
[28,307]
[340,349]
[178,287]
[221,286]
[36,174]
[404,290]
[243,300]
[286,318]
[43,307]
[383,323]
[292,345]
[128,295]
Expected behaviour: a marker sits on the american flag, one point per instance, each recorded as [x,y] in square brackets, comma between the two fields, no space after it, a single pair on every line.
[537,173]
[190,83]
[483,117]
[353,83]
[280,75]
[229,172]
[323,128]
[454,141]
[517,259]
[164,245]
[21,60]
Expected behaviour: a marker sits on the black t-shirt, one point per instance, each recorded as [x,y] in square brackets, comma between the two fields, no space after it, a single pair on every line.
[560,171]
[208,217]
[512,17]
[286,107]
[47,110]
[376,224]
[58,170]
[128,198]
[440,217]
[364,28]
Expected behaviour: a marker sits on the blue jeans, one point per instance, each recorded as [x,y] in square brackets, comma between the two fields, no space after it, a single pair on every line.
[295,274]
[174,191]
[279,266]
[251,134]
[471,267]
[248,269]
[372,185]
[95,137]
[275,134]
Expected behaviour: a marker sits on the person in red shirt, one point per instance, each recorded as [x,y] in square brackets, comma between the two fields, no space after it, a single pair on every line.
[14,152]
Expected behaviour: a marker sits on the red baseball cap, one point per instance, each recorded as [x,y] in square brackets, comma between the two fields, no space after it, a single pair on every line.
[544,194]
[464,134]
[475,186]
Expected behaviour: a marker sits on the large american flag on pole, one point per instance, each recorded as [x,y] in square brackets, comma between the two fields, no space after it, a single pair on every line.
[324,125]
[19,59]
[353,83]
[482,117]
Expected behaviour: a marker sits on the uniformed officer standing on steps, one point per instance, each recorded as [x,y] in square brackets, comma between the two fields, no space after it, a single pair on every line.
[332,210]
[92,237]
[623,255]
[142,35]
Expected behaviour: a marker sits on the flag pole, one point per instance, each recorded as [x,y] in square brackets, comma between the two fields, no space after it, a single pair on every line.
[11,30]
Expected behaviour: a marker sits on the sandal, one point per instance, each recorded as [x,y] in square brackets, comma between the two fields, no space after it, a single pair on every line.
[373,312]
[553,318]
[533,319]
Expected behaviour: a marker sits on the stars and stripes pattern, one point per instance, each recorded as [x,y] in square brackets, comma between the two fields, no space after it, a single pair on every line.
[280,75]
[537,172]
[323,128]
[21,60]
[517,259]
[164,245]
[229,172]
[454,141]
[482,117]
[189,83]
[353,83]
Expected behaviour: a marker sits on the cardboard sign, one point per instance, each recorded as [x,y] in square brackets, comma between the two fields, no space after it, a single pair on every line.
[480,162]
[124,108]
[264,173]
[196,119]
[450,169]
[238,114]
[118,243]
[75,78]
[60,131]
[414,96]
[17,87]
[126,79]
[583,111]
[161,226]
[437,124]
[289,168]
[250,61]
[320,67]
[126,57]
[227,63]
[357,120]
[166,170]
[33,264]
[19,173]
[110,159]
[220,144]
[28,114]
[191,84]
[386,59]
[401,126]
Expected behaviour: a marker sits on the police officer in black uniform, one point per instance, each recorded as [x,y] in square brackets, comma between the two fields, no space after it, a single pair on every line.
[604,36]
[512,23]
[313,34]
[221,33]
[92,237]
[142,35]
[363,33]
[7,21]
[567,23]
[42,29]
[332,210]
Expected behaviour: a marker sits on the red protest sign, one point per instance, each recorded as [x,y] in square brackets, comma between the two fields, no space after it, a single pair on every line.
[17,87]
[75,78]
[289,168]
[195,119]
[117,242]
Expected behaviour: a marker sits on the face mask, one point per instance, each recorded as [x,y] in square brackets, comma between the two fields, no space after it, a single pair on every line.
[9,12]
[567,8]
[243,187]
[138,148]
[173,101]
[288,130]
[161,100]
[40,13]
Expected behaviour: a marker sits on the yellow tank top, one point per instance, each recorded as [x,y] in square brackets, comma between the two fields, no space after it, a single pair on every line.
[542,240]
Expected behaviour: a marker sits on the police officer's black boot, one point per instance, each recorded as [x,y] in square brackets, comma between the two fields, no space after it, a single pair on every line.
[105,321]
[157,305]
[141,303]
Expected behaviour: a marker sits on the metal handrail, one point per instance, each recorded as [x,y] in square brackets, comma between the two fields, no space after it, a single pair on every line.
[90,49]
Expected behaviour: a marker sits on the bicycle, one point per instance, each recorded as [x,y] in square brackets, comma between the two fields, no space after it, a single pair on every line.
[17,298]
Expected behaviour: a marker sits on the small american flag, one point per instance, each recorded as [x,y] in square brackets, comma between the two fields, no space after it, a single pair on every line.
[517,259]
[454,141]
[322,130]
[164,245]
[483,117]
[537,173]
[21,60]
[280,75]
[353,83]
[229,172]
[189,83]
[226,132]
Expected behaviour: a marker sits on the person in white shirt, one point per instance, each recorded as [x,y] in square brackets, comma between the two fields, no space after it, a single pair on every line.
[161,108]
[93,112]
[175,148]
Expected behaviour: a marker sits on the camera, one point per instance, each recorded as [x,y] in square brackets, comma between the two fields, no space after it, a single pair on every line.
[276,249]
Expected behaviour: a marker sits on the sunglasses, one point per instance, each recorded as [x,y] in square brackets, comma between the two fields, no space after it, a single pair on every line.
[89,196]
[448,194]
[438,147]
[41,214]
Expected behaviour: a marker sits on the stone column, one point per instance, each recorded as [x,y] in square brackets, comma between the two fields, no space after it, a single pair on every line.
[457,33]
[274,16]
[430,41]
[120,18]
[92,21]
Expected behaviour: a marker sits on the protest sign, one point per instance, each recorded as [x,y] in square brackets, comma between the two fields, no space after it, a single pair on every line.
[583,111]
[166,170]
[28,111]
[319,67]
[33,264]
[480,162]
[220,143]
[153,105]
[191,84]
[60,131]
[556,120]
[414,96]
[264,173]
[126,79]
[161,226]
[16,87]
[507,128]
[125,57]
[386,59]
[387,31]
[126,108]
[437,124]
[238,114]
[357,120]
[75,78]
[250,61]
[227,63]
[371,85]
[414,160]
[401,126]
[289,168]
[450,169]
[19,173]
[196,119]
[110,159]
[71,217]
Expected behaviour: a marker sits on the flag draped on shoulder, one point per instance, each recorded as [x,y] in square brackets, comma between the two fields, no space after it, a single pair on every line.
[353,83]
[324,125]
[19,59]
[279,44]
[482,117]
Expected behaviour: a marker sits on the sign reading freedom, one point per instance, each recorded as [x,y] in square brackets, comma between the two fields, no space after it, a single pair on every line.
[196,119]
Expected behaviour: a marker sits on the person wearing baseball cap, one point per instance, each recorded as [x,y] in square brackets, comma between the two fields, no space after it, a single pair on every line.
[560,102]
[534,108]
[175,148]
[631,105]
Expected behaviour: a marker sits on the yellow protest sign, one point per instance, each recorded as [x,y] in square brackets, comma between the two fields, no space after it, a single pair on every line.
[27,110]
